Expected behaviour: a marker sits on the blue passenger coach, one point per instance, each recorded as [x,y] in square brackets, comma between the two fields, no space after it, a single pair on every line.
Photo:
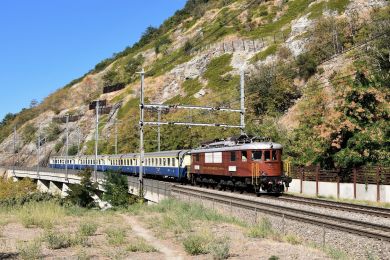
[167,164]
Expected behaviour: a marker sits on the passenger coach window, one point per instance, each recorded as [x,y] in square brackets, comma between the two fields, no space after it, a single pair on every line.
[256,155]
[173,162]
[232,156]
[267,155]
[244,156]
[169,161]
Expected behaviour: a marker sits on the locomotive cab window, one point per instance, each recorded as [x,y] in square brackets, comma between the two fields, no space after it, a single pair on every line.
[257,155]
[274,158]
[267,156]
[197,157]
[232,156]
[244,156]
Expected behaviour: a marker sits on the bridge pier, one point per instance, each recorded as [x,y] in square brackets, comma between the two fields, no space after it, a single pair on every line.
[43,185]
[64,190]
[55,188]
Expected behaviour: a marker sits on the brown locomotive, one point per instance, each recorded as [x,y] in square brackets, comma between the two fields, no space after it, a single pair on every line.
[249,165]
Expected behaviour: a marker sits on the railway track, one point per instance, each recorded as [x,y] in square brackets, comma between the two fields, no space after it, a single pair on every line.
[366,229]
[350,207]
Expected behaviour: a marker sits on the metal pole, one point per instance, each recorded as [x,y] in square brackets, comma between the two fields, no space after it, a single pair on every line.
[116,137]
[78,141]
[67,147]
[14,163]
[242,98]
[158,130]
[141,124]
[38,148]
[96,138]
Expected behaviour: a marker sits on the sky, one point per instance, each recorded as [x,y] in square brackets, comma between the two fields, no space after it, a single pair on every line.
[44,44]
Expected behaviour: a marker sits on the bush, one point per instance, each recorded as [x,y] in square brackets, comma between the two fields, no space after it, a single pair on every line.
[87,229]
[116,189]
[30,250]
[52,132]
[219,248]
[307,65]
[73,150]
[196,244]
[57,240]
[15,190]
[80,195]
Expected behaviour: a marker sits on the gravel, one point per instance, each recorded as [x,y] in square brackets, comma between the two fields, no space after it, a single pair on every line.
[333,241]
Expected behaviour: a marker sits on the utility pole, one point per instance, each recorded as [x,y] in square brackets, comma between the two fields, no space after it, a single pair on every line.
[14,151]
[38,148]
[67,147]
[242,99]
[158,130]
[116,137]
[78,141]
[96,139]
[141,130]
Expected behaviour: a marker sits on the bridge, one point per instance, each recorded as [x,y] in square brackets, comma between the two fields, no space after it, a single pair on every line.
[58,181]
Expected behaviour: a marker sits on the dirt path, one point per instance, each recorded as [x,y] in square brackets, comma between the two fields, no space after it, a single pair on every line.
[146,234]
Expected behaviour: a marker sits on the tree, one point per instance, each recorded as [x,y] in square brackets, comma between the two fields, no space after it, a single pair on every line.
[116,189]
[81,194]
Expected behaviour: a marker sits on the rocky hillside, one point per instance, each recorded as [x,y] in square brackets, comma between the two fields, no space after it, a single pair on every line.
[317,81]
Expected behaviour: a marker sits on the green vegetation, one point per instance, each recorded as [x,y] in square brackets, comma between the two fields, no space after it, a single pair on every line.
[10,190]
[38,214]
[140,245]
[264,54]
[217,74]
[80,195]
[115,236]
[116,189]
[88,228]
[30,250]
[262,229]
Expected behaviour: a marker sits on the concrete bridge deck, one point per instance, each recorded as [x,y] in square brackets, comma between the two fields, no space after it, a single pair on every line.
[58,180]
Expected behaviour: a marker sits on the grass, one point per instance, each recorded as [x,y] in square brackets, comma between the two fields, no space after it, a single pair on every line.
[196,244]
[317,9]
[58,240]
[292,239]
[30,250]
[115,236]
[42,214]
[262,230]
[264,54]
[215,73]
[88,228]
[140,245]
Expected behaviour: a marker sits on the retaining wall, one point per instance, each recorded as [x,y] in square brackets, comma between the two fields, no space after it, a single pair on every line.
[370,192]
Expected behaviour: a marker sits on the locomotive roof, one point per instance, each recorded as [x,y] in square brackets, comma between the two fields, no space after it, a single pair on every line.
[250,146]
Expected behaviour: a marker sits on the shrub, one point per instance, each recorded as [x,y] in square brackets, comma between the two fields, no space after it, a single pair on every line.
[30,250]
[73,150]
[80,195]
[292,239]
[140,246]
[57,240]
[219,248]
[116,189]
[52,132]
[307,65]
[196,244]
[87,229]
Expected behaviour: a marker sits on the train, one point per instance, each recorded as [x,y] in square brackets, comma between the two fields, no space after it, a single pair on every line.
[241,163]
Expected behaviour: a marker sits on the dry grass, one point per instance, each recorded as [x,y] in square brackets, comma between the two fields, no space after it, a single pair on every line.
[43,215]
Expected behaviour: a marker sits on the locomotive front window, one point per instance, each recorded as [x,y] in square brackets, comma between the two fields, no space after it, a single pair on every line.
[267,156]
[256,155]
[244,156]
[232,156]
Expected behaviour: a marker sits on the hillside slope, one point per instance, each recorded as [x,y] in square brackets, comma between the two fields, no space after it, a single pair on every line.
[317,81]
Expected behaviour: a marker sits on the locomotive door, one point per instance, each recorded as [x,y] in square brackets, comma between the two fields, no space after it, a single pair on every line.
[255,170]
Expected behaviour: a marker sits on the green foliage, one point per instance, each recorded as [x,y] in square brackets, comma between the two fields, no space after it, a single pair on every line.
[196,244]
[264,54]
[162,44]
[43,215]
[80,195]
[58,146]
[307,65]
[7,118]
[16,190]
[217,76]
[73,150]
[116,189]
[219,248]
[57,240]
[87,228]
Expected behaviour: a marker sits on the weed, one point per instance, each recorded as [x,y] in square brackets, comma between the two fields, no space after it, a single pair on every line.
[335,253]
[87,229]
[43,215]
[57,240]
[30,250]
[116,236]
[140,245]
[273,257]
[219,248]
[196,244]
[292,239]
[262,229]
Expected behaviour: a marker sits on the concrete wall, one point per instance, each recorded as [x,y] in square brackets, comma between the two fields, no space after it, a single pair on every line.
[327,189]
